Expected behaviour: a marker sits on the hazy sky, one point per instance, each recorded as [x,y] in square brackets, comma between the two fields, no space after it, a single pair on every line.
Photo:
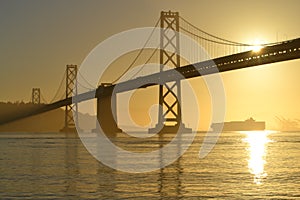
[38,38]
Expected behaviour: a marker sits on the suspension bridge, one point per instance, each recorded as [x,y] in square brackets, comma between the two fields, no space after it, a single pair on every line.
[222,55]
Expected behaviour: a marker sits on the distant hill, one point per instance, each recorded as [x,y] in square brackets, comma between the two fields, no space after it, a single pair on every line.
[51,121]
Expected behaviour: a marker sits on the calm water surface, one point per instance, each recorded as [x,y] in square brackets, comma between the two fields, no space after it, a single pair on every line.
[257,165]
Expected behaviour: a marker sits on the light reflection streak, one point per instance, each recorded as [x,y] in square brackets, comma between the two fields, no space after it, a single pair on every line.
[257,141]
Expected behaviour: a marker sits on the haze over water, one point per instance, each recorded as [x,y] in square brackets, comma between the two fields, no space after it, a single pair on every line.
[242,165]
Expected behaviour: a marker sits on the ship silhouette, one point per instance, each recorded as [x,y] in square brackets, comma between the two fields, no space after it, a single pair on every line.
[247,125]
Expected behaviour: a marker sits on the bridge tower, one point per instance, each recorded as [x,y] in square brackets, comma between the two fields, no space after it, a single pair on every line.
[169,113]
[36,96]
[71,90]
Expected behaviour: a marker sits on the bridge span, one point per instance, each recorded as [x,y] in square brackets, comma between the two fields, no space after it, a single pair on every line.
[288,50]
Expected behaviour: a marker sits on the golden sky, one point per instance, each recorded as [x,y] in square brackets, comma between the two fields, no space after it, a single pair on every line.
[39,38]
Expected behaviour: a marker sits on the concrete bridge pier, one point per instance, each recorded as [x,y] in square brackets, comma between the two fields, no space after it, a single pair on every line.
[106,110]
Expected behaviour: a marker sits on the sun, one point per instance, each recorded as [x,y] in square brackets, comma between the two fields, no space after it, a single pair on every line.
[256,48]
[256,45]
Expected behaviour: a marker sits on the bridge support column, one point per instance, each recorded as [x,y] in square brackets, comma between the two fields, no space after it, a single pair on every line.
[169,114]
[107,114]
[71,111]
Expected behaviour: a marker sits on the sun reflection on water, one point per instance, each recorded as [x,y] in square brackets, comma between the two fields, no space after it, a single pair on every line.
[257,141]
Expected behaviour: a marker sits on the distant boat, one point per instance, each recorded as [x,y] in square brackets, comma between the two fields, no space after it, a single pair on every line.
[247,125]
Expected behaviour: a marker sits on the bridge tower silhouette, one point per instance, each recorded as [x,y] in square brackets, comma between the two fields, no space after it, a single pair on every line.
[71,110]
[169,113]
[36,96]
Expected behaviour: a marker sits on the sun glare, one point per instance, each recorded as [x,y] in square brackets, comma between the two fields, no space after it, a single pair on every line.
[256,46]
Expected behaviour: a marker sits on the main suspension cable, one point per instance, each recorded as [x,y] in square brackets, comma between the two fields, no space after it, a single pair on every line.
[138,55]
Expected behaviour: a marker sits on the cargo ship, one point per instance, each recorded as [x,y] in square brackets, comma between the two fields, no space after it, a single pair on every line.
[247,125]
